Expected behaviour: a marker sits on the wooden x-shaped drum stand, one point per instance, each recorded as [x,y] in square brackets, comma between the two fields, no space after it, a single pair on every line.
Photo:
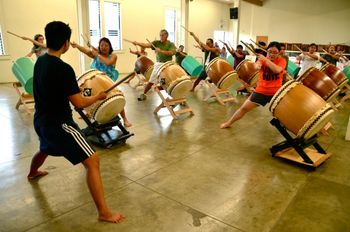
[296,149]
[221,95]
[24,98]
[171,103]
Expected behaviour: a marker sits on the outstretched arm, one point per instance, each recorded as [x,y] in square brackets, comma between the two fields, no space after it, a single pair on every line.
[144,45]
[85,50]
[34,42]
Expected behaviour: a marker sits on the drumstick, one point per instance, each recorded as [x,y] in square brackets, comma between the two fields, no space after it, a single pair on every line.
[151,44]
[252,50]
[230,44]
[14,34]
[185,29]
[221,41]
[261,47]
[298,48]
[119,82]
[86,40]
[127,40]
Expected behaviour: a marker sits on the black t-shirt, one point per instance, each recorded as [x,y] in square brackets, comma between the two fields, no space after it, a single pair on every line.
[54,80]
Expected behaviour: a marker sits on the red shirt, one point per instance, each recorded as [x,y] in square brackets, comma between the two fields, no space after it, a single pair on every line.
[269,82]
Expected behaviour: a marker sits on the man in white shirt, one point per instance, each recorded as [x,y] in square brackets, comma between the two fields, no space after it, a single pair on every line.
[308,59]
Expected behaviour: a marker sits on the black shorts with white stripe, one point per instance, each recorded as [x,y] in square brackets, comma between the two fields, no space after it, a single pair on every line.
[64,140]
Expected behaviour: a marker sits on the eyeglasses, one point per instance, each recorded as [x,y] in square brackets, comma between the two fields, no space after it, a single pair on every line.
[272,52]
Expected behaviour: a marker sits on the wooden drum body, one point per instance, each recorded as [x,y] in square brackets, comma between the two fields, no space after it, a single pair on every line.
[93,82]
[144,65]
[247,72]
[319,82]
[174,80]
[335,74]
[300,110]
[221,73]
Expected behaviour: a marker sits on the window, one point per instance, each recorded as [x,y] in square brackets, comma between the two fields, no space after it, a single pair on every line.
[104,21]
[170,24]
[2,49]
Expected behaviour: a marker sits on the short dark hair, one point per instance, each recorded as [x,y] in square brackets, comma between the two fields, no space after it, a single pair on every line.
[239,46]
[36,38]
[211,40]
[57,33]
[262,43]
[274,44]
[104,39]
[313,44]
[164,31]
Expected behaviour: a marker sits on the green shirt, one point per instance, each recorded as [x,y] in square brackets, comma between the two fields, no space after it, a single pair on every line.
[168,46]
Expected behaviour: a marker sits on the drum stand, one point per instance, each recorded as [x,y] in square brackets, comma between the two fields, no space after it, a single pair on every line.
[24,98]
[219,93]
[103,134]
[170,104]
[346,91]
[296,149]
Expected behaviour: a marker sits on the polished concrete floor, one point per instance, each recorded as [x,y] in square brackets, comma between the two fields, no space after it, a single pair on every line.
[177,175]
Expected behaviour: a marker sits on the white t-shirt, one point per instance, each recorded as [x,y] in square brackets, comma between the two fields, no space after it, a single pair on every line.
[307,62]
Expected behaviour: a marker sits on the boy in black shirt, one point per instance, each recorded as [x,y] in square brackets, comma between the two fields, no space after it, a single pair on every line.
[54,87]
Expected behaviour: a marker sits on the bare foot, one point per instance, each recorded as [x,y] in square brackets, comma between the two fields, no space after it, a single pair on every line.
[225,125]
[110,217]
[127,124]
[32,176]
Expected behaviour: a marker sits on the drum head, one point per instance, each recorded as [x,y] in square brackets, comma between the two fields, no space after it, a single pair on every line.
[316,123]
[228,80]
[277,97]
[163,66]
[180,89]
[109,109]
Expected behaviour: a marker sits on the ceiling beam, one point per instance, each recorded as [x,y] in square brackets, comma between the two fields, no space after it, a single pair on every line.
[255,2]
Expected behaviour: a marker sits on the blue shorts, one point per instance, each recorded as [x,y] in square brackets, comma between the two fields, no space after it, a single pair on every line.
[64,140]
[260,99]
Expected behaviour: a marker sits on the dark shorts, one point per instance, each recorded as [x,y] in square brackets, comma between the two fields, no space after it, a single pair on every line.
[64,140]
[260,99]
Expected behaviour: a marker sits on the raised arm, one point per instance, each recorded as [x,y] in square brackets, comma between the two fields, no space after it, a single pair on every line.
[34,42]
[144,45]
[274,67]
[87,51]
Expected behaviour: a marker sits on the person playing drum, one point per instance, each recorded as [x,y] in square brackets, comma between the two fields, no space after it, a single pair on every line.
[270,80]
[210,53]
[308,59]
[39,47]
[331,56]
[180,54]
[237,54]
[55,87]
[165,49]
[104,60]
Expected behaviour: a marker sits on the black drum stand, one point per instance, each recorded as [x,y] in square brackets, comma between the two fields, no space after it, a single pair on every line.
[296,149]
[104,135]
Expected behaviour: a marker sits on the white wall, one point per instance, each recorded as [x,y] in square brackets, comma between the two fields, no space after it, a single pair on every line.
[299,21]
[319,21]
[28,18]
[204,18]
[141,19]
